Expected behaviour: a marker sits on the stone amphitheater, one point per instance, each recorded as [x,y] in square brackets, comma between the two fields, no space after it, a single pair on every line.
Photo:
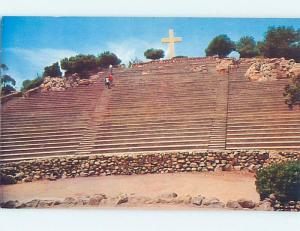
[152,108]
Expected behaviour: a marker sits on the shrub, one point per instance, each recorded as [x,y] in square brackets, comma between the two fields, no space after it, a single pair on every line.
[154,54]
[221,46]
[30,84]
[282,180]
[281,42]
[247,47]
[292,92]
[107,58]
[179,56]
[6,179]
[134,61]
[52,71]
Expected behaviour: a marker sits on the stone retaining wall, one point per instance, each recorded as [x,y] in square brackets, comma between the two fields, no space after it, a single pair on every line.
[95,165]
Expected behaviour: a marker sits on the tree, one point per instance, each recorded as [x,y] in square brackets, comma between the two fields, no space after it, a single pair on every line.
[52,71]
[281,42]
[30,84]
[292,92]
[247,47]
[7,82]
[80,64]
[154,54]
[221,46]
[107,58]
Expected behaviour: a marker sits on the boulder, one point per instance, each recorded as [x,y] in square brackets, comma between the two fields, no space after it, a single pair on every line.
[122,199]
[168,195]
[244,203]
[96,199]
[212,203]
[32,204]
[233,205]
[197,200]
[9,204]
[264,205]
[226,65]
[227,167]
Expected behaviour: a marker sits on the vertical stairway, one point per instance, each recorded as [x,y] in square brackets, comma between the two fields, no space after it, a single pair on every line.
[218,127]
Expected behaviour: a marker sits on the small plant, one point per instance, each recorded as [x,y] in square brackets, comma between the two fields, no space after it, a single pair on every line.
[292,92]
[281,179]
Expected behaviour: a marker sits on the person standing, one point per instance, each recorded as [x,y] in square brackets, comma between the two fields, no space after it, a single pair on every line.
[106,82]
[110,69]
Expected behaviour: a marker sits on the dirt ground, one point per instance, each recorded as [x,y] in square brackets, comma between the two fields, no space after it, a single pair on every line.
[223,185]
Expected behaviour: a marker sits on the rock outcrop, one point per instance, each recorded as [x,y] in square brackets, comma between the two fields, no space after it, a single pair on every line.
[226,65]
[61,84]
[272,69]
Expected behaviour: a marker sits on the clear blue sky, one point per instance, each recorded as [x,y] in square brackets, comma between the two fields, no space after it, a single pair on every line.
[31,43]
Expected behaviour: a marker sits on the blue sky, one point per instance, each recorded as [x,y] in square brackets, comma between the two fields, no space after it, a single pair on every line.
[31,43]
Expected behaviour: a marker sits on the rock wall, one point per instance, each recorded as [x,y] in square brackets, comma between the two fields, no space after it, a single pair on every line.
[96,165]
[172,198]
[271,69]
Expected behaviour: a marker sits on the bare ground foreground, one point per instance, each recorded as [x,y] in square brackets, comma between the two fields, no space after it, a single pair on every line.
[222,185]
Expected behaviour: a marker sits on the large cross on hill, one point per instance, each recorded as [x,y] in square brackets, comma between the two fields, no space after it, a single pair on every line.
[171,40]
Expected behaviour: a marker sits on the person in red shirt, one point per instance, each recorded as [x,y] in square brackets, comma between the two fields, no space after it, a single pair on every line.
[110,78]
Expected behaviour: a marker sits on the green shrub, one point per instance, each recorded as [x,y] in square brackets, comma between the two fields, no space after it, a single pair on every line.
[6,179]
[292,92]
[154,54]
[282,180]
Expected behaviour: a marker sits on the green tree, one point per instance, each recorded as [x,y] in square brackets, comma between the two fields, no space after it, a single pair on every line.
[7,82]
[80,64]
[52,71]
[107,58]
[247,47]
[281,42]
[154,54]
[221,46]
[30,84]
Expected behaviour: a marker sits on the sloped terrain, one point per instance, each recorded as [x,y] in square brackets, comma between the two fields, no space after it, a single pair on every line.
[158,107]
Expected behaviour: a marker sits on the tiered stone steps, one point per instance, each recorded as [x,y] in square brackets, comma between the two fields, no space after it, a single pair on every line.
[258,118]
[155,108]
[47,124]
[158,110]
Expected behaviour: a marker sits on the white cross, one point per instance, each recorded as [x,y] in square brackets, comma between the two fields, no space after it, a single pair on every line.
[171,40]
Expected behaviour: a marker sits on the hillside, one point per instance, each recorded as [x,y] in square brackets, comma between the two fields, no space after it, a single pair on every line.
[156,107]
